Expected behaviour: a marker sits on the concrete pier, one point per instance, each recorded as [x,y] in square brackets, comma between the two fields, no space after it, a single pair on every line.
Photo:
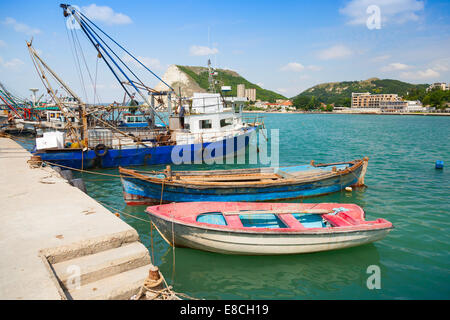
[56,242]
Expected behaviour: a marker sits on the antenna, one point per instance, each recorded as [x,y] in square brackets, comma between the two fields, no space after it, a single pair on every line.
[211,81]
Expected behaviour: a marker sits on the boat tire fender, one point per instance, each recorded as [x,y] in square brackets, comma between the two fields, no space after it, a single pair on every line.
[101,150]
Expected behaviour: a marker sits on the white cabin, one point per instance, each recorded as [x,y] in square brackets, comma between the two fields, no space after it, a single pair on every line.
[212,118]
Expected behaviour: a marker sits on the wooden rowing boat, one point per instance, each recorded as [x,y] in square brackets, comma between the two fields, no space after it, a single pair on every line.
[250,228]
[257,184]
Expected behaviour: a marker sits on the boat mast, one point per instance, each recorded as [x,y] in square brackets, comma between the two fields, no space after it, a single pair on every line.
[36,59]
[102,49]
[82,105]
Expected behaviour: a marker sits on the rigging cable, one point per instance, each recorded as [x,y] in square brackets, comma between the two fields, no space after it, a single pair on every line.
[84,60]
[78,65]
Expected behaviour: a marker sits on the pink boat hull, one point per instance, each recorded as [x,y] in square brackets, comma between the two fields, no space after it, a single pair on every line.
[346,228]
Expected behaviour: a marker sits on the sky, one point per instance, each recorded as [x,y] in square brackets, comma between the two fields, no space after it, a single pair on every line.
[284,46]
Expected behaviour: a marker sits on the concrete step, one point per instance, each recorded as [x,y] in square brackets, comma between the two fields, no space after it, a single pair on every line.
[90,245]
[121,286]
[101,265]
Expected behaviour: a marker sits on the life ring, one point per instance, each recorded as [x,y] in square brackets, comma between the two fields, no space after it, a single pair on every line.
[98,148]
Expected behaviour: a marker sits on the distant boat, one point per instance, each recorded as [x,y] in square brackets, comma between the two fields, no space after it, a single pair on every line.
[260,184]
[265,228]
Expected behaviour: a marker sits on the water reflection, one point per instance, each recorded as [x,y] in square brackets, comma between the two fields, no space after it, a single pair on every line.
[211,275]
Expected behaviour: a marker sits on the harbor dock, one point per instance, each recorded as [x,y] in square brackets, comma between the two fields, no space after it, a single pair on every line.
[57,242]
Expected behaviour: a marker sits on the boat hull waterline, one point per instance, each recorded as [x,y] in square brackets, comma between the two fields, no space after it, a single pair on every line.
[266,241]
[141,189]
[137,156]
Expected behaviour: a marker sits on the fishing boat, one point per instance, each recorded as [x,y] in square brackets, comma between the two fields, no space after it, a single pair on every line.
[256,184]
[138,139]
[248,228]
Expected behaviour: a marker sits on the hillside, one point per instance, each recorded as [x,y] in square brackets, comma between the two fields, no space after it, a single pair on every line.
[192,79]
[341,92]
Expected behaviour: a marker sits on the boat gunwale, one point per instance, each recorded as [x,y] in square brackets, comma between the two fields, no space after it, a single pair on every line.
[386,225]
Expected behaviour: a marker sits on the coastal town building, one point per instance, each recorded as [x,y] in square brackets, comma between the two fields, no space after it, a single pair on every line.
[368,100]
[261,104]
[439,85]
[280,104]
[415,106]
[393,106]
[375,103]
[250,94]
[240,91]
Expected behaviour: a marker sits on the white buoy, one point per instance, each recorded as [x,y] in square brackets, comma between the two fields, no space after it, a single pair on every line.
[348,189]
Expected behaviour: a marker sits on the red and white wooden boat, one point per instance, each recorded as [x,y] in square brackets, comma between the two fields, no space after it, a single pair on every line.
[251,228]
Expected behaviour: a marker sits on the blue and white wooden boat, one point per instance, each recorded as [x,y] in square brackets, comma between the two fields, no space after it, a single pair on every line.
[260,184]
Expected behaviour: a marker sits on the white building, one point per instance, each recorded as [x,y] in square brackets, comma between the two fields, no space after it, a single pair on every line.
[250,94]
[241,90]
[441,85]
[415,106]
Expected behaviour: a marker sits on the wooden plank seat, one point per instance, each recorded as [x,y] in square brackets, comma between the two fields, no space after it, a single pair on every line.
[337,221]
[291,222]
[234,221]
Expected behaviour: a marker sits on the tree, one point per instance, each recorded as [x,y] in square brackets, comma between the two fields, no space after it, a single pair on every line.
[314,103]
[301,102]
[436,98]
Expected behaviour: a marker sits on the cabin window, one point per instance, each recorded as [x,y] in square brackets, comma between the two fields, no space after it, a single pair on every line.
[130,119]
[205,124]
[226,122]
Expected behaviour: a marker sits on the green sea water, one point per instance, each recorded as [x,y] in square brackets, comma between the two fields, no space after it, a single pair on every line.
[403,187]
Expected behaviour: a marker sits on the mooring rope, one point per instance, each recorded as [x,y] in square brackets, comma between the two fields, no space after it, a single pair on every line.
[167,288]
[122,212]
[81,170]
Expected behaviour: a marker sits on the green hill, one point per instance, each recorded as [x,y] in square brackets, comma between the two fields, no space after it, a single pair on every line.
[340,93]
[228,78]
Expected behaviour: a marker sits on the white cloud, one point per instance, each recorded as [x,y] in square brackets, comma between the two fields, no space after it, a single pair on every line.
[105,14]
[395,66]
[21,27]
[150,62]
[314,68]
[202,51]
[282,90]
[11,64]
[335,52]
[441,64]
[293,66]
[298,67]
[381,58]
[395,11]
[419,75]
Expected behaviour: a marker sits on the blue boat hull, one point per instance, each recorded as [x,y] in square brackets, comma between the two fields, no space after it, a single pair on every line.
[140,191]
[140,156]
